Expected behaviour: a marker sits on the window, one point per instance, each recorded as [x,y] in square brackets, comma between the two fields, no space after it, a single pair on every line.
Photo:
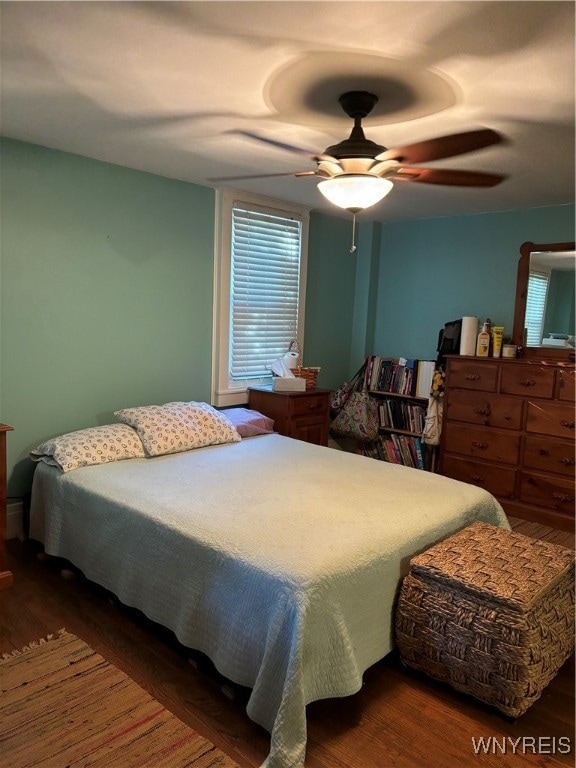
[536,297]
[260,287]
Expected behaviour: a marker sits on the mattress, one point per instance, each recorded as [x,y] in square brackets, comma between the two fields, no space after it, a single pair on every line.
[279,559]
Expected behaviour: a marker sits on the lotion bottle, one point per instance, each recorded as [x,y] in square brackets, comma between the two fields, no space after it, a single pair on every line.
[483,342]
[497,334]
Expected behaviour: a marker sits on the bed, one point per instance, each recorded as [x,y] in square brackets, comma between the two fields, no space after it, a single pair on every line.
[279,559]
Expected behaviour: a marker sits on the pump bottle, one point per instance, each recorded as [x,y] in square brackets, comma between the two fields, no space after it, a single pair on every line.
[483,342]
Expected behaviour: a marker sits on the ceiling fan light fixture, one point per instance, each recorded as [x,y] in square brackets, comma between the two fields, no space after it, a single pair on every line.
[355,192]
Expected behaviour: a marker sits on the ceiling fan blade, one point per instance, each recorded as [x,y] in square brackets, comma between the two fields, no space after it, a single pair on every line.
[448,177]
[262,176]
[443,146]
[280,144]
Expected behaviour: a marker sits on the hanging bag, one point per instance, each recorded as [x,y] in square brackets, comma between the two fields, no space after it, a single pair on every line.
[339,396]
[357,416]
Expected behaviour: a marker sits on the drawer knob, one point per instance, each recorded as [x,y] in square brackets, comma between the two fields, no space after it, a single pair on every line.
[477,478]
[568,424]
[482,446]
[472,377]
[527,383]
[562,497]
[544,452]
[567,461]
[482,411]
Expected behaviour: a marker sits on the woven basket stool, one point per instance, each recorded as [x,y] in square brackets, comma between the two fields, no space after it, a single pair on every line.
[490,612]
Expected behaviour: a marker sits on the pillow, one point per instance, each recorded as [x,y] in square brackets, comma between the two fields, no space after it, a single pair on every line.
[249,423]
[176,427]
[96,445]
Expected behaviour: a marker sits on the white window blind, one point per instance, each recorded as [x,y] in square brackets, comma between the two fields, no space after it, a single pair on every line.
[264,289]
[261,248]
[536,307]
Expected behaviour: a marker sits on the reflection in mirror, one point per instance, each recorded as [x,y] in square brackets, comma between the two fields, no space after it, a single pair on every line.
[549,318]
[544,315]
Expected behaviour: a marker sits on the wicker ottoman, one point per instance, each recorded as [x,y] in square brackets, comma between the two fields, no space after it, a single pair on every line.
[490,612]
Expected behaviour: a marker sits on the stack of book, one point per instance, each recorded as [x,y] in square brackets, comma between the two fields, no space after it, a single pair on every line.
[397,449]
[402,414]
[400,375]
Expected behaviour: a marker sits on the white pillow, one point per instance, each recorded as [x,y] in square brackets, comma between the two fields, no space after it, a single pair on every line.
[176,427]
[95,445]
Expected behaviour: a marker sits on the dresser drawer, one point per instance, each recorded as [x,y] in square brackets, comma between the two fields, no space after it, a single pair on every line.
[527,380]
[488,410]
[310,403]
[551,419]
[472,375]
[547,491]
[311,429]
[549,456]
[566,384]
[499,481]
[489,444]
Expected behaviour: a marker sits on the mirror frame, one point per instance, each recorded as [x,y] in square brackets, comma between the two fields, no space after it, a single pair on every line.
[549,353]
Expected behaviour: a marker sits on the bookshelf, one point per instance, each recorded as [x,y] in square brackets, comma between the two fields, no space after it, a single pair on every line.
[402,387]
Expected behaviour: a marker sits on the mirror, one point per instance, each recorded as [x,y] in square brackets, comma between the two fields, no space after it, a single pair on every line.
[552,268]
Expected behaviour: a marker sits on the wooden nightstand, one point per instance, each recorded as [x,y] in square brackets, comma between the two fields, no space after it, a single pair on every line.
[302,415]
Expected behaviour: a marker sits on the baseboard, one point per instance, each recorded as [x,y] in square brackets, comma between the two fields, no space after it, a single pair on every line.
[15,520]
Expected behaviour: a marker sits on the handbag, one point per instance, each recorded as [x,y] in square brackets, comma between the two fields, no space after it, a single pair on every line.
[357,416]
[339,396]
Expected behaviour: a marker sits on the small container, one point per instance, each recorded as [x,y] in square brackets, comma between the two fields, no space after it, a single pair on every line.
[509,350]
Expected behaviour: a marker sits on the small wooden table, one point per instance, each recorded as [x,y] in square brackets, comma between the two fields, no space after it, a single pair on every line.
[302,415]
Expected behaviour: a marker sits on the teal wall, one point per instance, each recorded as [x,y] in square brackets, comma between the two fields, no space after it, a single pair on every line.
[436,270]
[330,293]
[106,294]
[106,279]
[341,296]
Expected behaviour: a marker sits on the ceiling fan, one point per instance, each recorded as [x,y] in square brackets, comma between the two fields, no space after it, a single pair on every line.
[357,173]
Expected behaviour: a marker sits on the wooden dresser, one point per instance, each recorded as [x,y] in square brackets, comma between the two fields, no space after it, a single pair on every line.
[509,427]
[303,415]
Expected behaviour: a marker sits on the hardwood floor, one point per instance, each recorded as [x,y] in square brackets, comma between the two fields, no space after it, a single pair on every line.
[537,531]
[399,718]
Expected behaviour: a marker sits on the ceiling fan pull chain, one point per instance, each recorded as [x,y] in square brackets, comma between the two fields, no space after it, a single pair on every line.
[353,246]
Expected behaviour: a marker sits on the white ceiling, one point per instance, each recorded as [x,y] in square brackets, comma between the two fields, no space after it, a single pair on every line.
[161,86]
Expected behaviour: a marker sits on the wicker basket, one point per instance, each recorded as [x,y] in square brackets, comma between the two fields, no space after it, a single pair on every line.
[491,613]
[310,374]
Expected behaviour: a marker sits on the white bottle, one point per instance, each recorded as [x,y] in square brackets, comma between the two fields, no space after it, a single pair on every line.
[483,342]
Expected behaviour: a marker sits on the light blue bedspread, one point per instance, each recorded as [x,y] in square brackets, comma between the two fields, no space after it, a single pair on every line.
[279,559]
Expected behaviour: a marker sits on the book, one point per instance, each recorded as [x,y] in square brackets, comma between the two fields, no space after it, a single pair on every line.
[419,452]
[413,456]
[424,383]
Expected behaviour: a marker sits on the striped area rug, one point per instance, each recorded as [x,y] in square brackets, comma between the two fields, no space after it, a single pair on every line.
[63,706]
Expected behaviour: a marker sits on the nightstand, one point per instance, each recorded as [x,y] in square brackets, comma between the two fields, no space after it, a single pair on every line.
[302,415]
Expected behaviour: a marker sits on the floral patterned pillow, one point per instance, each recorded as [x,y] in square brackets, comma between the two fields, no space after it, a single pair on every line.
[176,427]
[96,445]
